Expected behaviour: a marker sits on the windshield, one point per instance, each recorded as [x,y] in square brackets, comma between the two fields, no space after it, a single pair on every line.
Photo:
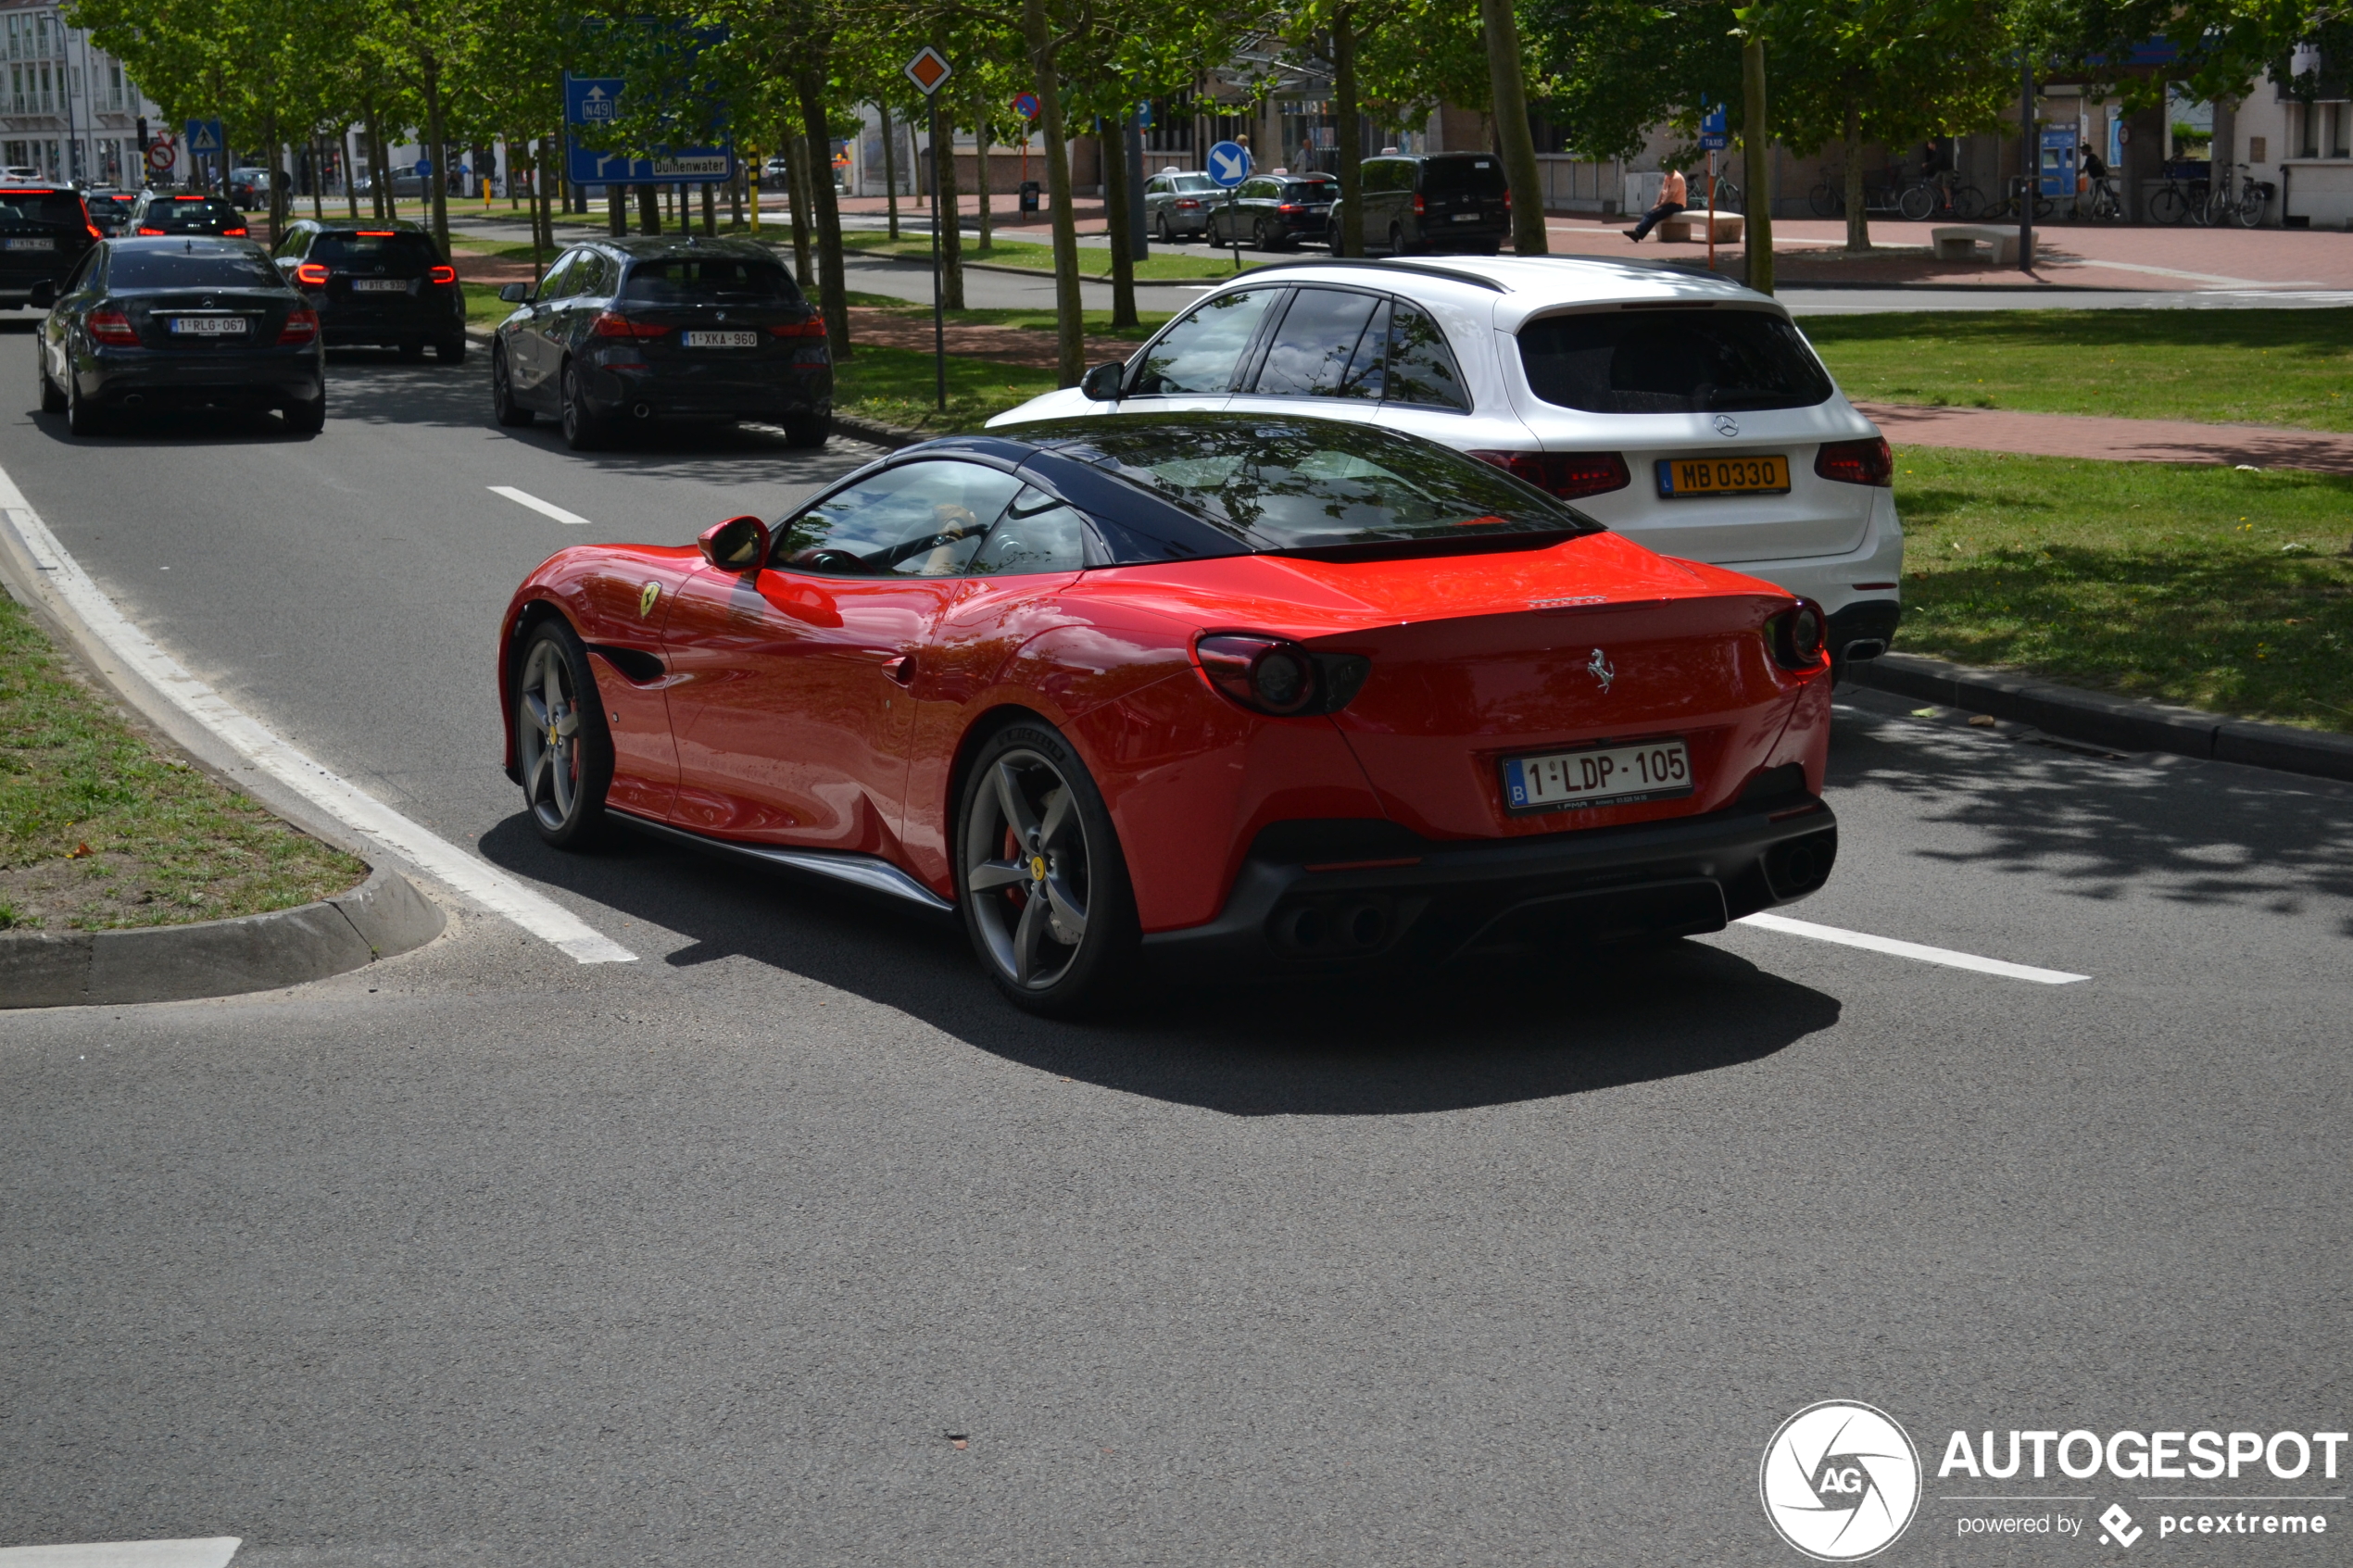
[1303,485]
[1463,177]
[1195,183]
[191,270]
[181,211]
[1677,361]
[414,252]
[40,206]
[691,280]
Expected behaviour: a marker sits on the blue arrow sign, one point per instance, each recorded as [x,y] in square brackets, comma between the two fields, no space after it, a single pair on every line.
[1230,164]
[206,136]
[1713,136]
[589,102]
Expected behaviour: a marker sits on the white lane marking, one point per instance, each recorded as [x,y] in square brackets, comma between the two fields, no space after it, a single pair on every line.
[2097,265]
[355,807]
[1846,938]
[545,508]
[213,1552]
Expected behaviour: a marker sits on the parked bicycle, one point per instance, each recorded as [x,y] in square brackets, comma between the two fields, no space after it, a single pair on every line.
[1942,196]
[2013,194]
[1728,195]
[2238,200]
[2180,199]
[1881,193]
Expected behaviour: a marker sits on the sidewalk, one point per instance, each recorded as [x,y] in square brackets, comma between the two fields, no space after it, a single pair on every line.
[2090,435]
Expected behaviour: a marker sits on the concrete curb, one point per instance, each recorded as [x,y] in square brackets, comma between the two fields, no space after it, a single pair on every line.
[383,916]
[2120,723]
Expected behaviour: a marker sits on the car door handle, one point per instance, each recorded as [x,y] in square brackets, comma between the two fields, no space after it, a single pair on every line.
[900,667]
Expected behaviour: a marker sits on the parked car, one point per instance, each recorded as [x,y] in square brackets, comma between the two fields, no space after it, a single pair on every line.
[147,324]
[1177,204]
[375,282]
[1685,411]
[1274,211]
[110,210]
[1191,689]
[250,188]
[45,232]
[1437,201]
[404,186]
[632,331]
[165,212]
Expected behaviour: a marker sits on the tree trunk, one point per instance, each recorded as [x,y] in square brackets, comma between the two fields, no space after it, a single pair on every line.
[1513,137]
[735,201]
[1756,158]
[317,176]
[832,294]
[1112,137]
[368,139]
[981,174]
[1070,342]
[438,152]
[1348,110]
[350,186]
[1858,216]
[948,210]
[796,196]
[890,167]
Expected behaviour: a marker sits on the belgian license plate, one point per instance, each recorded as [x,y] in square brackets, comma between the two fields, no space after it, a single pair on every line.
[720,340]
[1564,781]
[210,326]
[29,244]
[1467,217]
[1759,474]
[380,286]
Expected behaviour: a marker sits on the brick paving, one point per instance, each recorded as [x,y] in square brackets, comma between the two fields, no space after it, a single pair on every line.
[2135,441]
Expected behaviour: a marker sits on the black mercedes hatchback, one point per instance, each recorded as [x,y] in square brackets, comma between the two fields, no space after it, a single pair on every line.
[622,334]
[163,212]
[373,282]
[44,232]
[180,323]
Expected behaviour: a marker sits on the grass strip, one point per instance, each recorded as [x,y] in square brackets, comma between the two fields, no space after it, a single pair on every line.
[99,828]
[894,386]
[1097,322]
[2291,368]
[1093,262]
[2217,588]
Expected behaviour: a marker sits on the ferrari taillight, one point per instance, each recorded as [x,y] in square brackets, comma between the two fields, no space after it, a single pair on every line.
[111,326]
[1858,462]
[302,325]
[1276,675]
[1796,637]
[1566,474]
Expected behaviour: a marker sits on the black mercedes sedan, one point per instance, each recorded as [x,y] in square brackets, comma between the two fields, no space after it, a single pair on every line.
[377,283]
[167,212]
[1275,211]
[110,210]
[622,334]
[44,232]
[180,323]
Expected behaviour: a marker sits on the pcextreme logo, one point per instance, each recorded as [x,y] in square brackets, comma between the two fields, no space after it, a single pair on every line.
[1840,1481]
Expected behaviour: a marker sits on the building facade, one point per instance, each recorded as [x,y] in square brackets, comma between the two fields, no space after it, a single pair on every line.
[68,109]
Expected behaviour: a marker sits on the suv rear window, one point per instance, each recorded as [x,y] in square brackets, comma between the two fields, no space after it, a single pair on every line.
[692,280]
[414,252]
[145,268]
[40,206]
[183,209]
[1671,362]
[1311,190]
[1286,484]
[1463,177]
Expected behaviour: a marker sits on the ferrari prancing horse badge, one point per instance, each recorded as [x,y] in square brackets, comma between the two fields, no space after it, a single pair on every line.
[645,598]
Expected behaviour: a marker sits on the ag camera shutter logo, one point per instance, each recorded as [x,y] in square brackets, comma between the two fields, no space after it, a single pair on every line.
[1840,1481]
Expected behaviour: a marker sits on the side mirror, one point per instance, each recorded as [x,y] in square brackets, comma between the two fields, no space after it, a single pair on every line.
[1101,383]
[515,294]
[740,543]
[45,294]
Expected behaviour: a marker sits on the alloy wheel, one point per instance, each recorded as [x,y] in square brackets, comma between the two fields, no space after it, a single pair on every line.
[1028,868]
[548,737]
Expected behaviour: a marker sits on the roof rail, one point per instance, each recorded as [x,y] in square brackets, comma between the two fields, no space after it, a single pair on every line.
[1425,268]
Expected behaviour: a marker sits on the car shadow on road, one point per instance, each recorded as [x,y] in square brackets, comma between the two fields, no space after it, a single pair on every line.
[1326,1045]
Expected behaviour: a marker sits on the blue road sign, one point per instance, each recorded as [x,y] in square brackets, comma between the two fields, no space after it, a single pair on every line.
[590,101]
[206,137]
[1230,164]
[424,168]
[1713,136]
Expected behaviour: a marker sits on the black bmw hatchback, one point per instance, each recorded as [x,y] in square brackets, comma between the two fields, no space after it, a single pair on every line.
[373,283]
[44,232]
[162,212]
[625,332]
[180,323]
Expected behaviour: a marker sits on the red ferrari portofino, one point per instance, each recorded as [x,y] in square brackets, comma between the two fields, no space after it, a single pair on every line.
[1250,692]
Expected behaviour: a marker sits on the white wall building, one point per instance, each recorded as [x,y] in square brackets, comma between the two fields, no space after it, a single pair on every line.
[67,109]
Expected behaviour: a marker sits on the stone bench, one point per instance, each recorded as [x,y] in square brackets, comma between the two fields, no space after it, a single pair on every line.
[1678,227]
[1959,242]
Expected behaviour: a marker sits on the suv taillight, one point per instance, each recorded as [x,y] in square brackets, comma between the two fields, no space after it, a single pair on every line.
[1858,462]
[612,324]
[1418,207]
[442,275]
[1566,474]
[111,326]
[813,327]
[302,325]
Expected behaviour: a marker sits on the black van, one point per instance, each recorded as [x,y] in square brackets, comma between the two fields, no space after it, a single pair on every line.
[377,283]
[1437,201]
[45,232]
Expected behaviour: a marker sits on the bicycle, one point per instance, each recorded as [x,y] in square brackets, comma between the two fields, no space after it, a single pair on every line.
[1728,196]
[2179,199]
[2241,201]
[1941,196]
[1828,198]
[2103,203]
[2016,188]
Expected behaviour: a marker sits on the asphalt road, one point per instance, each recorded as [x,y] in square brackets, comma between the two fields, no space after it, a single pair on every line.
[790,1244]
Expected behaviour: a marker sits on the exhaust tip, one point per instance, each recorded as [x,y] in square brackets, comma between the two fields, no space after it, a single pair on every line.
[642,412]
[1865,647]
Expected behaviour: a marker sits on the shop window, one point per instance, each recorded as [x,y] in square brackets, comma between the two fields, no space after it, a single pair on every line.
[2308,141]
[2341,131]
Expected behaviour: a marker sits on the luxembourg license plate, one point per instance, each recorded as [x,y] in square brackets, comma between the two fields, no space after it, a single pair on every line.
[720,340]
[380,286]
[29,244]
[1761,474]
[1564,781]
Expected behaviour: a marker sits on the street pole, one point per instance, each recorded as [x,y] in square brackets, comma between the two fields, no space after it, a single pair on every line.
[1756,154]
[2030,156]
[1711,209]
[938,304]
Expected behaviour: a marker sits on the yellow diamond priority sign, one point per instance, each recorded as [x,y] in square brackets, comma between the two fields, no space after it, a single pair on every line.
[928,69]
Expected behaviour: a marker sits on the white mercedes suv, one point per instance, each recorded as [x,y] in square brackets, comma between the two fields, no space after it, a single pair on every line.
[1683,410]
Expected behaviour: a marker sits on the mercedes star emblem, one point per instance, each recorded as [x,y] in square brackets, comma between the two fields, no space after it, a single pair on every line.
[1727,426]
